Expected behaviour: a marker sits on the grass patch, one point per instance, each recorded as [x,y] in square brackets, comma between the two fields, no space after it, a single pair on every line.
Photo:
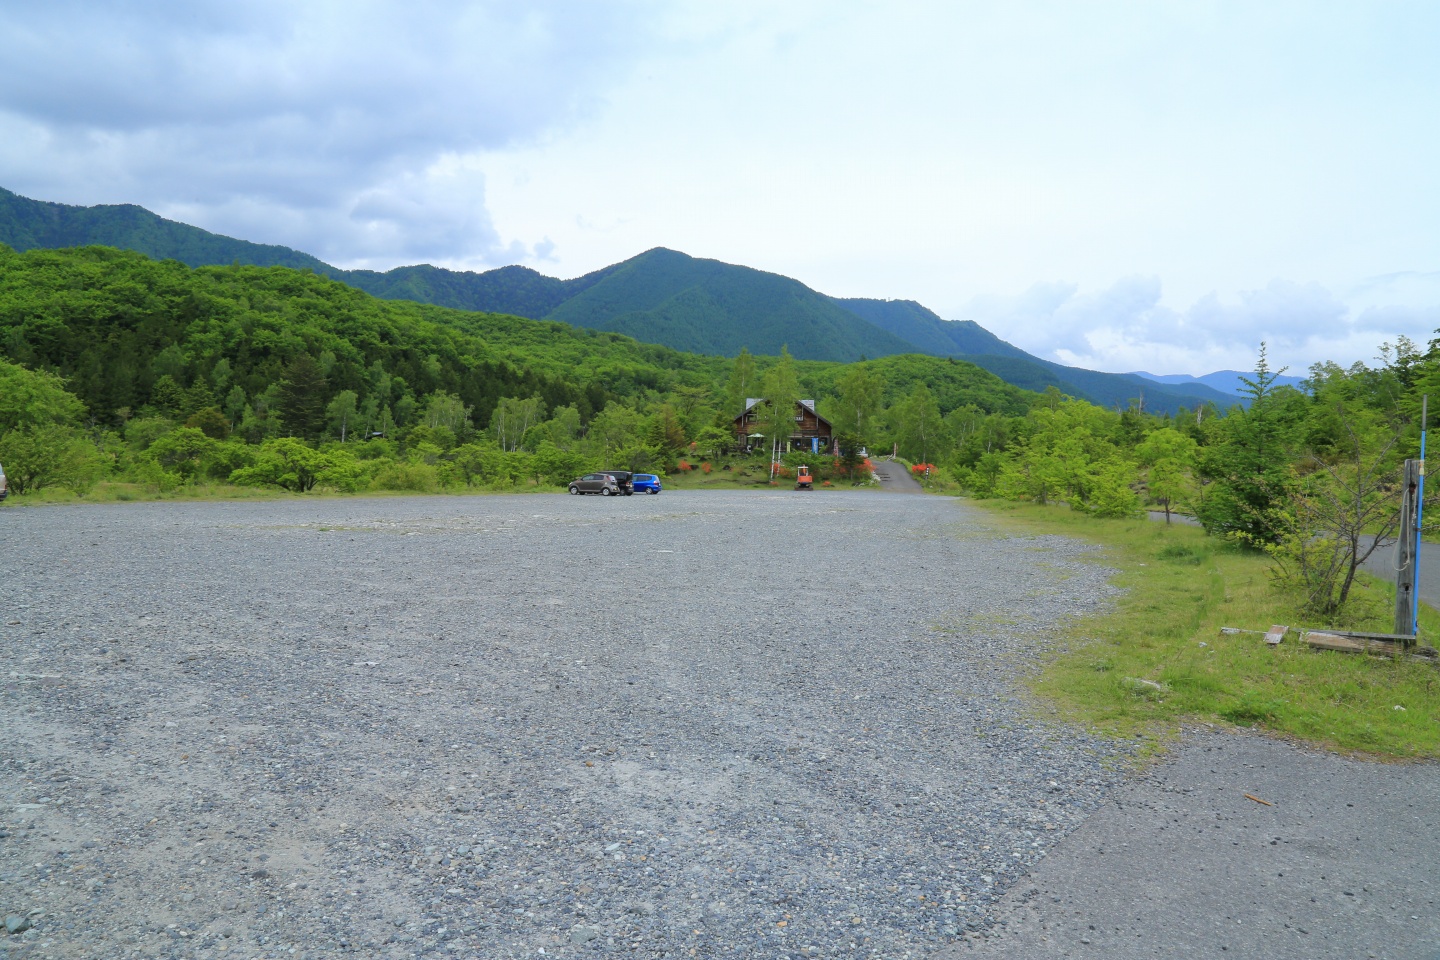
[1157,660]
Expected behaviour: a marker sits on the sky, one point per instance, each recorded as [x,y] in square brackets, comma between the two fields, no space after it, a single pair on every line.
[1142,185]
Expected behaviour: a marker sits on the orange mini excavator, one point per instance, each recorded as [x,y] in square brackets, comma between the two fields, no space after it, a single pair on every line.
[803,480]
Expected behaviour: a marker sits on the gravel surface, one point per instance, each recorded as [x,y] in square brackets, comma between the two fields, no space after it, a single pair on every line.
[699,724]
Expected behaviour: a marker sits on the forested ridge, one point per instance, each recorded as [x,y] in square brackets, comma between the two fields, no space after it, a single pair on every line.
[659,296]
[151,351]
[122,368]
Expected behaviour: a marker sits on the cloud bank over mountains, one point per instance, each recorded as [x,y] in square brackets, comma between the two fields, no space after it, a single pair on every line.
[1127,327]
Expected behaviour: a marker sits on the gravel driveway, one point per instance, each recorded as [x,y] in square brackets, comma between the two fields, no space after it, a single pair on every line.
[699,724]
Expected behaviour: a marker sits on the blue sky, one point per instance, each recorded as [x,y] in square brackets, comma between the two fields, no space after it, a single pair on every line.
[1119,185]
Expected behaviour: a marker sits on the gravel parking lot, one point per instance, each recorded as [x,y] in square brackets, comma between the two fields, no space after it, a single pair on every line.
[700,724]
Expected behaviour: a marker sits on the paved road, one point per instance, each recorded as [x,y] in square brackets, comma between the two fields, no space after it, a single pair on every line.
[1339,862]
[1382,565]
[895,478]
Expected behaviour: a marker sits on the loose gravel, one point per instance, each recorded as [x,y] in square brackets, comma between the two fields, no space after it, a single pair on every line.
[700,724]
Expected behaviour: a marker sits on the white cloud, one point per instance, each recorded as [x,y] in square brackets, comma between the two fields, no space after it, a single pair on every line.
[1126,327]
[339,128]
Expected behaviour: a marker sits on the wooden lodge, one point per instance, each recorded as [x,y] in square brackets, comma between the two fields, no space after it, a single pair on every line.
[811,431]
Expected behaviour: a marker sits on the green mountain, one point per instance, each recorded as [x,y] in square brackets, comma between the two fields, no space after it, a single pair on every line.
[705,306]
[130,334]
[661,296]
[922,327]
[27,224]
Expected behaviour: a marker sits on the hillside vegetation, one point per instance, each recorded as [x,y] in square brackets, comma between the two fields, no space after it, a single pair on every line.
[660,296]
[169,375]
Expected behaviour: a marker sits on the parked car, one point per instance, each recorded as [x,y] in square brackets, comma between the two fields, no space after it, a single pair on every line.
[645,483]
[601,483]
[622,477]
[4,487]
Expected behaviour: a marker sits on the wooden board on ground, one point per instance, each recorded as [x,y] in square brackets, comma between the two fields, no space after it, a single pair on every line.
[1380,644]
[1275,634]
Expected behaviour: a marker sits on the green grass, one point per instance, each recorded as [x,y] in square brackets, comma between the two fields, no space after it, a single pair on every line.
[1180,588]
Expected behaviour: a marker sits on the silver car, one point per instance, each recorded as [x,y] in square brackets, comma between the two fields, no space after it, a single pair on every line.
[601,483]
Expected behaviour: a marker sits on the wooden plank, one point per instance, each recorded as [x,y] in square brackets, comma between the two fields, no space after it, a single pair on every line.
[1395,637]
[1347,644]
[1275,634]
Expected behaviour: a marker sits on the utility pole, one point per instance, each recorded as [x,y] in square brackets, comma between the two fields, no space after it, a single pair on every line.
[1407,549]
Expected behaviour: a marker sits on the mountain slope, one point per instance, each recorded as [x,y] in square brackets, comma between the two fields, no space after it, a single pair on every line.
[925,329]
[1225,381]
[27,224]
[705,306]
[661,296]
[1104,389]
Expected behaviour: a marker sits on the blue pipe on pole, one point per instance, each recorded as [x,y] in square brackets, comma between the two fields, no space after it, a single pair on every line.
[1419,522]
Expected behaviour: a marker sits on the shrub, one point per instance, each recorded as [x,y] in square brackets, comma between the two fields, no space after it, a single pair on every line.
[411,477]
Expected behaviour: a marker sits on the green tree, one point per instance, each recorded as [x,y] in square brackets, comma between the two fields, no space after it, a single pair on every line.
[1249,464]
[343,416]
[1170,456]
[850,459]
[446,410]
[1345,501]
[166,396]
[917,424]
[781,387]
[713,442]
[665,430]
[563,427]
[513,417]
[211,422]
[182,452]
[483,462]
[51,454]
[613,429]
[303,397]
[859,394]
[742,381]
[292,465]
[551,465]
[31,398]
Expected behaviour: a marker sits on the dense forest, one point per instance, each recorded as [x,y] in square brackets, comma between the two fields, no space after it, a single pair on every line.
[120,368]
[172,375]
[659,296]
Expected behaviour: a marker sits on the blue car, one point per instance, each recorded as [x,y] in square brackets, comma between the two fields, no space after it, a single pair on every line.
[645,483]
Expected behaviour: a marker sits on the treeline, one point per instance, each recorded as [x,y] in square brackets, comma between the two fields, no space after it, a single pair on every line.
[152,372]
[1311,476]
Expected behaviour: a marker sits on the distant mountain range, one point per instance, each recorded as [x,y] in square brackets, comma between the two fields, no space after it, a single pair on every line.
[1226,381]
[660,296]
